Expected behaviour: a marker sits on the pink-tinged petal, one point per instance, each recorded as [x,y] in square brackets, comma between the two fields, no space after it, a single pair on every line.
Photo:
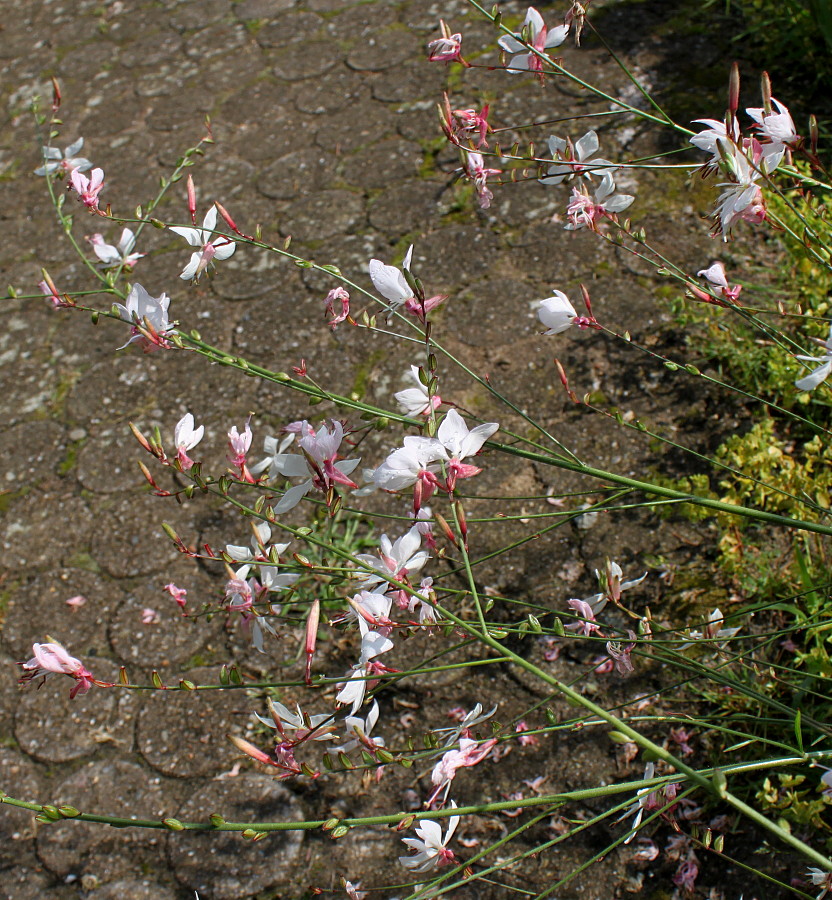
[223,251]
[556,36]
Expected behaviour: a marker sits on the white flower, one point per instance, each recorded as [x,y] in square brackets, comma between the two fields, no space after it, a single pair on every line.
[273,448]
[361,729]
[186,437]
[65,162]
[390,282]
[460,441]
[430,846]
[472,718]
[396,560]
[715,139]
[539,37]
[568,164]
[119,255]
[373,644]
[406,465]
[778,126]
[820,879]
[141,308]
[211,247]
[320,726]
[321,447]
[555,312]
[416,401]
[813,379]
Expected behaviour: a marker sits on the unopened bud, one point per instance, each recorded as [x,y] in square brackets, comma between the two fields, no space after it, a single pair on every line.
[227,218]
[191,199]
[445,528]
[173,824]
[765,89]
[56,95]
[249,749]
[734,89]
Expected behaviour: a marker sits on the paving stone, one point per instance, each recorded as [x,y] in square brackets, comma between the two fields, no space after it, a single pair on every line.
[182,733]
[297,173]
[184,18]
[344,129]
[51,727]
[296,62]
[324,214]
[262,9]
[407,206]
[224,866]
[106,787]
[19,779]
[451,256]
[292,27]
[127,383]
[38,607]
[169,640]
[390,161]
[129,540]
[33,883]
[45,444]
[341,88]
[381,51]
[132,889]
[32,522]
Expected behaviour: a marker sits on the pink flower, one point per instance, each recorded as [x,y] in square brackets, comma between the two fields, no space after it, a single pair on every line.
[416,401]
[540,38]
[148,316]
[447,48]
[239,445]
[177,593]
[55,161]
[76,602]
[431,847]
[149,616]
[340,295]
[52,659]
[469,754]
[525,740]
[589,625]
[584,211]
[186,437]
[210,246]
[120,255]
[715,273]
[50,291]
[463,124]
[88,189]
[619,653]
[475,169]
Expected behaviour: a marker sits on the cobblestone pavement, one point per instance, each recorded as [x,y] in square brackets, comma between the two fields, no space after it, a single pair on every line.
[324,116]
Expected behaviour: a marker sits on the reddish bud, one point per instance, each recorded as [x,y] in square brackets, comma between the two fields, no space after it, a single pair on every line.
[191,199]
[227,218]
[250,750]
[734,89]
[56,95]
[312,621]
[765,89]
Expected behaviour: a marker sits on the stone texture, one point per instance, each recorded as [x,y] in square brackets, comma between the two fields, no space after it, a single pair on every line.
[224,864]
